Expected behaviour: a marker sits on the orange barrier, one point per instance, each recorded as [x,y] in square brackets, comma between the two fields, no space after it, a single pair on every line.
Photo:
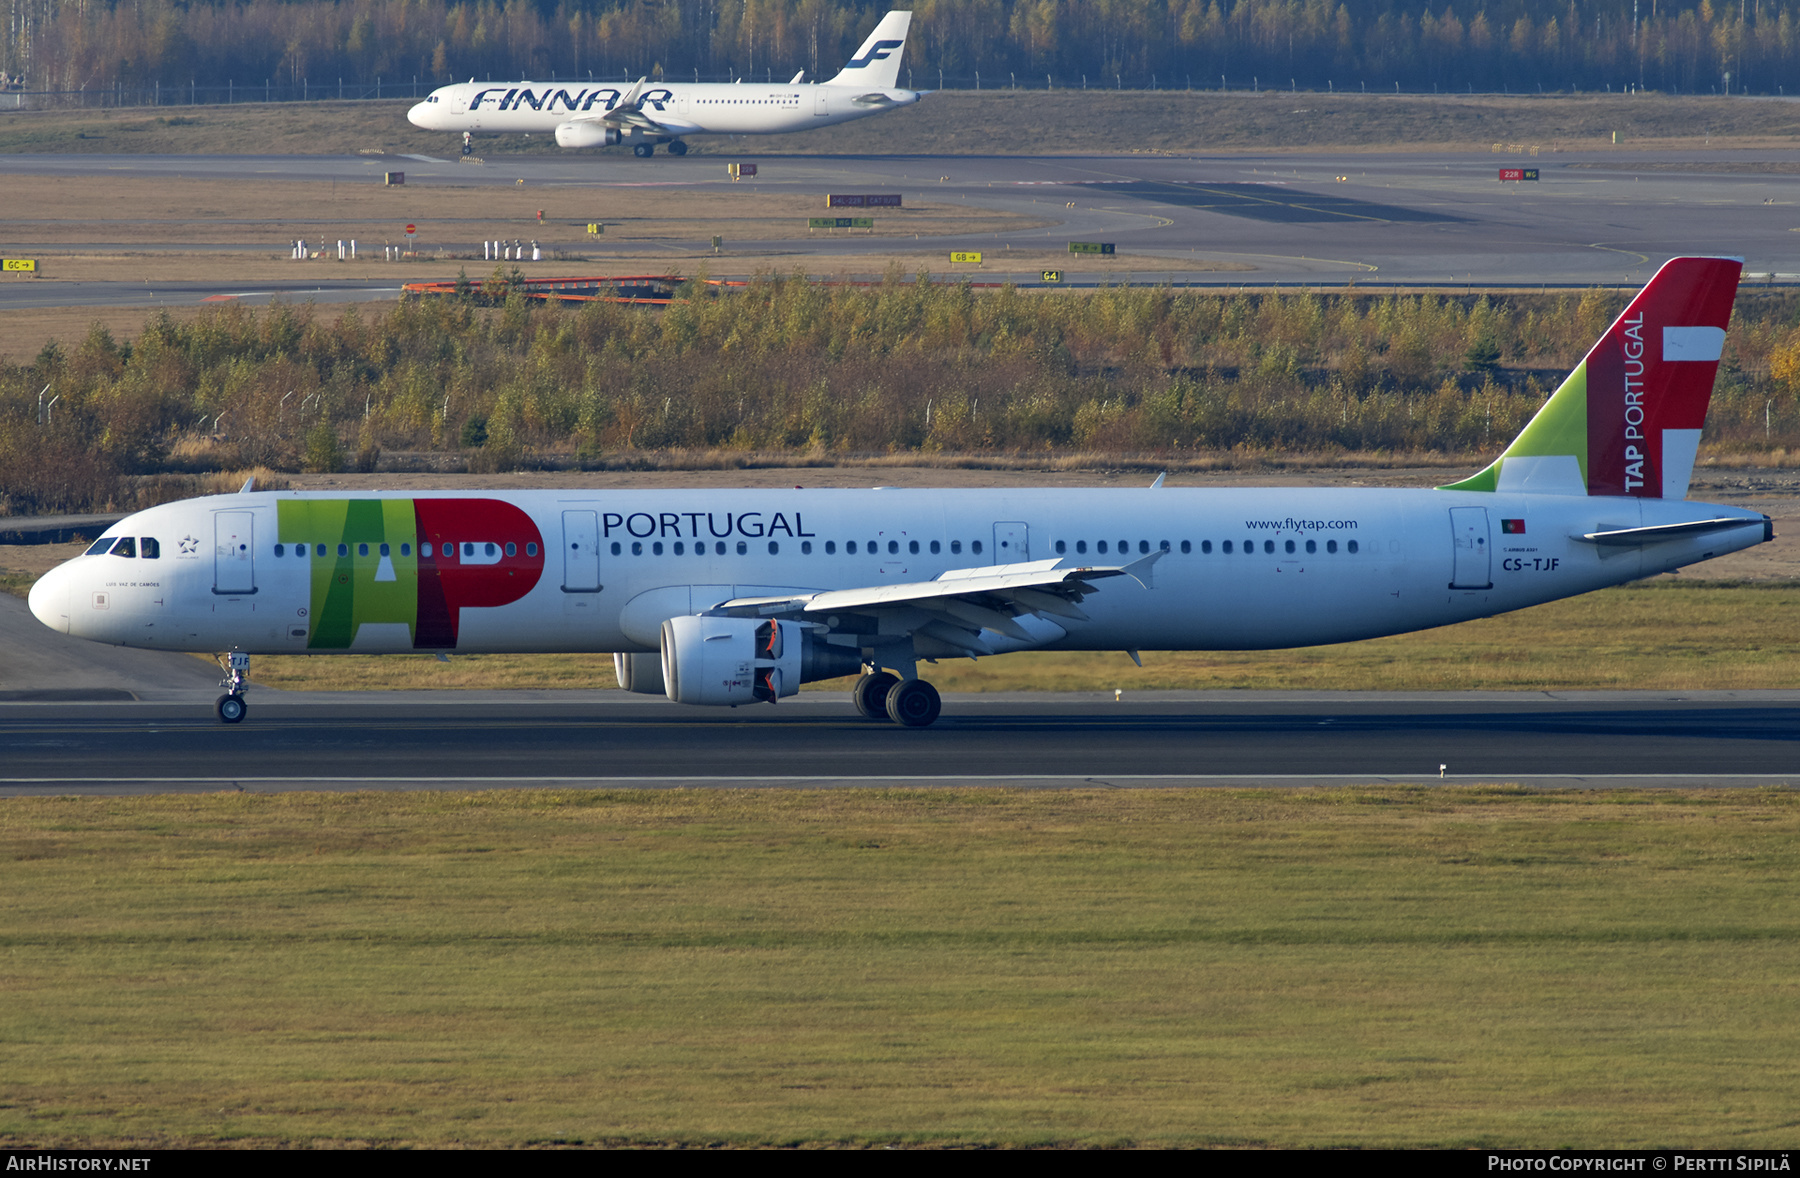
[656,290]
[651,289]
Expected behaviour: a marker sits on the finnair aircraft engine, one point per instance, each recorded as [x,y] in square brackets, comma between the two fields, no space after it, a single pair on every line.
[586,135]
[742,596]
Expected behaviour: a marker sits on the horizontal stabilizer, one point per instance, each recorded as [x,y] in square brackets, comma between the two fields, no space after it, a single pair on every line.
[1650,535]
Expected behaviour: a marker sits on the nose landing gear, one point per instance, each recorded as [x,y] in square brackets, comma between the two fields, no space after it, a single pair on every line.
[231,707]
[468,147]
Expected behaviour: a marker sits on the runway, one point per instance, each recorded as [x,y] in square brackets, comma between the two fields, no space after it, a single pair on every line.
[608,739]
[1433,219]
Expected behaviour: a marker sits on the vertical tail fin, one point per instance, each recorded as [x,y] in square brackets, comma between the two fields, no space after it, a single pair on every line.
[1627,420]
[876,65]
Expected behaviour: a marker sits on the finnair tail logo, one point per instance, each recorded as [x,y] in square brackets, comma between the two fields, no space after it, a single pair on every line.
[877,52]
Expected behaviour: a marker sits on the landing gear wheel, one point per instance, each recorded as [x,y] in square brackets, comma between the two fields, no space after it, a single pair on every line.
[870,694]
[913,703]
[231,708]
[678,148]
[644,150]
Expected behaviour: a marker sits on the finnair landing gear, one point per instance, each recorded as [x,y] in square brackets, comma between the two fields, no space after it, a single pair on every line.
[913,703]
[644,150]
[869,696]
[468,147]
[678,148]
[231,706]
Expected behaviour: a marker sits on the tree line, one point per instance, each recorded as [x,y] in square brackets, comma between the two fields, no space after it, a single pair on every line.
[789,367]
[1517,45]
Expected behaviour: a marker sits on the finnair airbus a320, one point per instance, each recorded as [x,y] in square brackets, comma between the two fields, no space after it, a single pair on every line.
[646,115]
[738,596]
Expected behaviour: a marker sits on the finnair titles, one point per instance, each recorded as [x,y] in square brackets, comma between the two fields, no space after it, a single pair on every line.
[644,116]
[730,597]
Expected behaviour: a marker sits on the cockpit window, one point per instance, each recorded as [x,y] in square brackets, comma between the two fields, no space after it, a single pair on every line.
[127,546]
[101,546]
[149,549]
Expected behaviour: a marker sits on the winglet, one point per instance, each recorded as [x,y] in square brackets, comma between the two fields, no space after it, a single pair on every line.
[1139,569]
[1159,480]
[249,486]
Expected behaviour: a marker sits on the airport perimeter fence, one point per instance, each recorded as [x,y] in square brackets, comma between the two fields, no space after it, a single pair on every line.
[389,89]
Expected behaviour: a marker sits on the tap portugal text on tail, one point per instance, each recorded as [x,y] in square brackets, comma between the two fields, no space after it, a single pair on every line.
[645,114]
[739,596]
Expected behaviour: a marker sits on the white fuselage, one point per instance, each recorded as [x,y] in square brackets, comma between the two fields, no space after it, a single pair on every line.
[679,108]
[601,570]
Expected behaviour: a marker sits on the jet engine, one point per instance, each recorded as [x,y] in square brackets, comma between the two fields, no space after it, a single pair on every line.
[586,133]
[708,660]
[641,673]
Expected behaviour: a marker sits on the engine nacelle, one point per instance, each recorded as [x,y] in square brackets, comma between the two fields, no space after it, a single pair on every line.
[707,660]
[641,673]
[586,133]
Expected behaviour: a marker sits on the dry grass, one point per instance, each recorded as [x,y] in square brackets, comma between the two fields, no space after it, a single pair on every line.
[1355,967]
[1665,636]
[989,122]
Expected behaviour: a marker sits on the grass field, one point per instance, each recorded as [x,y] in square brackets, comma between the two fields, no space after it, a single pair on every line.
[1004,122]
[1411,967]
[1676,636]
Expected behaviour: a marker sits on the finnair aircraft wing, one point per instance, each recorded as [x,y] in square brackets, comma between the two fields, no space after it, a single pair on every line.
[958,605]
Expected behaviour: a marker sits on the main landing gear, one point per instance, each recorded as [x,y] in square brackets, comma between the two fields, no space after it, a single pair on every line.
[231,706]
[644,150]
[912,703]
[678,148]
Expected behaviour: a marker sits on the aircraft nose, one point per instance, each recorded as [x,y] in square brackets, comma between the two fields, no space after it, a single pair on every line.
[417,115]
[49,599]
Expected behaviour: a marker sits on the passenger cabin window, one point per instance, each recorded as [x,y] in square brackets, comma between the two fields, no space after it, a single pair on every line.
[743,548]
[1331,545]
[956,546]
[319,551]
[1351,546]
[975,547]
[935,548]
[1100,547]
[281,550]
[774,548]
[1062,546]
[806,548]
[1290,545]
[850,547]
[1081,546]
[831,548]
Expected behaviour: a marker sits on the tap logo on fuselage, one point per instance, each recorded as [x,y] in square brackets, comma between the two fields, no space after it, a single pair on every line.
[412,562]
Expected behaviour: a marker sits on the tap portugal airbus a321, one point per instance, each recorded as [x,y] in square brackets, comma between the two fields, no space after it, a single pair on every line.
[645,115]
[731,597]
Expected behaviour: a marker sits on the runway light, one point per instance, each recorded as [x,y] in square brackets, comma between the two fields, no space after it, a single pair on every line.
[1441,769]
[1118,694]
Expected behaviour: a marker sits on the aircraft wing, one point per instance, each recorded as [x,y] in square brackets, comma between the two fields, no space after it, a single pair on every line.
[1015,601]
[629,115]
